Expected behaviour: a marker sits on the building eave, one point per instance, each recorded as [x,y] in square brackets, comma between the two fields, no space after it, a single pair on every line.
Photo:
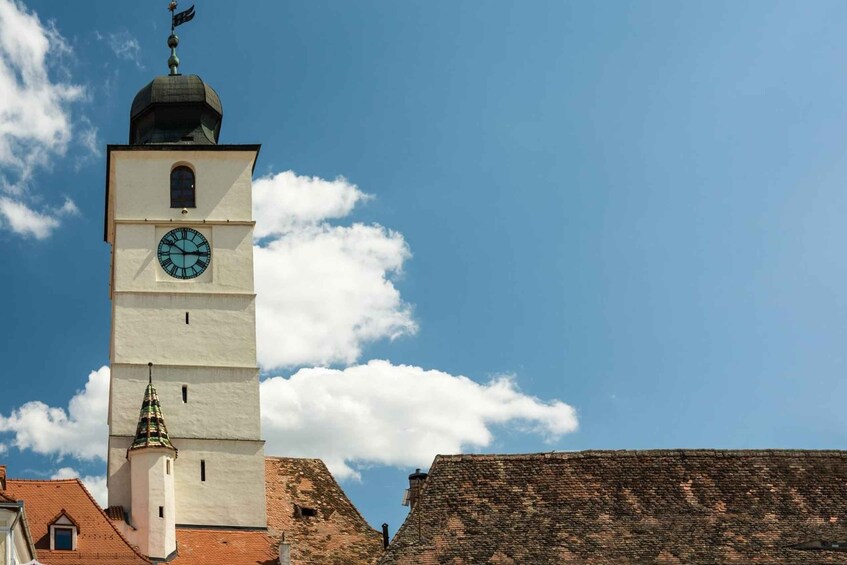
[254,147]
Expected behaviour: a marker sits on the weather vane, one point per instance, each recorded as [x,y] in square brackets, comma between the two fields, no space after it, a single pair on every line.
[173,40]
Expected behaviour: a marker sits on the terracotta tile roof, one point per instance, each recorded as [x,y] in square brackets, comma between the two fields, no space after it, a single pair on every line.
[97,539]
[305,506]
[335,535]
[626,507]
[116,513]
[208,546]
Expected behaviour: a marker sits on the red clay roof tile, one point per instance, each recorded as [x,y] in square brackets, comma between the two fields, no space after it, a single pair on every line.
[98,541]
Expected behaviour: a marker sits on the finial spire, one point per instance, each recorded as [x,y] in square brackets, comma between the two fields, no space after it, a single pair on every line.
[151,430]
[150,372]
[173,39]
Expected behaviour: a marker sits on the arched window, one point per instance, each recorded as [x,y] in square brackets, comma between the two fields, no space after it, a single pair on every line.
[182,187]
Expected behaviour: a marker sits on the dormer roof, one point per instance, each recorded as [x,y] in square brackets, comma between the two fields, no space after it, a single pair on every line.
[64,519]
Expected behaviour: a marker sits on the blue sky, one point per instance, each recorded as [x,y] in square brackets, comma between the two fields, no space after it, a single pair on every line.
[634,210]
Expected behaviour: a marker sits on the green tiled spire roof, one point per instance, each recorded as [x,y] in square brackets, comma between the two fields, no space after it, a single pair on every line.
[151,431]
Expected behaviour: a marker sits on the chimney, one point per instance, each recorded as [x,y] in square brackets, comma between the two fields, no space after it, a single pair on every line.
[2,477]
[416,482]
[284,553]
[384,536]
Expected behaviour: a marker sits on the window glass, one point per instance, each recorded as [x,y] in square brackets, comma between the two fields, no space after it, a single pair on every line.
[63,538]
[182,188]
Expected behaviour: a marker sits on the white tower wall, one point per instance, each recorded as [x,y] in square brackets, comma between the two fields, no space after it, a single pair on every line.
[152,489]
[213,355]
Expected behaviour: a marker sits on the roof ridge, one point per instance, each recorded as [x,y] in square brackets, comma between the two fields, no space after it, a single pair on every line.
[345,497]
[283,458]
[41,480]
[679,452]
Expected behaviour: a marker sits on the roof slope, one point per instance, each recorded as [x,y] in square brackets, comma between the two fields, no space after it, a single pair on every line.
[201,547]
[336,535]
[97,539]
[626,507]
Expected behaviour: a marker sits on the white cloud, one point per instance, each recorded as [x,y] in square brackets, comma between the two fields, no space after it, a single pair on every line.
[23,220]
[323,291]
[287,201]
[96,484]
[87,135]
[80,431]
[3,448]
[123,45]
[35,123]
[380,413]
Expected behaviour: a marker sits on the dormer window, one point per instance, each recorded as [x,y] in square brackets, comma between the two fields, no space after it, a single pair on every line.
[830,545]
[304,512]
[182,187]
[63,533]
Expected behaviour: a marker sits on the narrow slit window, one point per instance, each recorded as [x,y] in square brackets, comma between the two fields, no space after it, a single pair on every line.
[168,466]
[202,470]
[186,318]
[161,512]
[184,394]
[182,187]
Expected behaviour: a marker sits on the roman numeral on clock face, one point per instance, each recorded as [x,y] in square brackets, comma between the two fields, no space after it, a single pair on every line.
[184,253]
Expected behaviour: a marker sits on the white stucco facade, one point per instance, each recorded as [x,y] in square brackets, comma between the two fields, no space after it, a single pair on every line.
[231,467]
[200,334]
[153,500]
[15,546]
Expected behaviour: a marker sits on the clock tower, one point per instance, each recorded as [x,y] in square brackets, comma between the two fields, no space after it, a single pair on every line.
[179,222]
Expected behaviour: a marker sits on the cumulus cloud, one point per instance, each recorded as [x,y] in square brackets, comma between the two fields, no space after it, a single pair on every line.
[287,201]
[35,124]
[80,431]
[323,291]
[372,414]
[380,413]
[96,484]
[23,220]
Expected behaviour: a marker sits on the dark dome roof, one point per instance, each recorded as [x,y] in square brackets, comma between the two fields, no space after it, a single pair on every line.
[175,109]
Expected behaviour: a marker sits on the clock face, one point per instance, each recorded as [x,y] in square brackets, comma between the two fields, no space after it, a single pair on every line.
[184,253]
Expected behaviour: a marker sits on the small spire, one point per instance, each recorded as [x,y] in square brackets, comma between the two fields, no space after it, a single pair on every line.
[151,430]
[173,39]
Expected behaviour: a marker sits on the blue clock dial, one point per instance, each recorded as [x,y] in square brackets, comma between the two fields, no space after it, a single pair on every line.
[184,253]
